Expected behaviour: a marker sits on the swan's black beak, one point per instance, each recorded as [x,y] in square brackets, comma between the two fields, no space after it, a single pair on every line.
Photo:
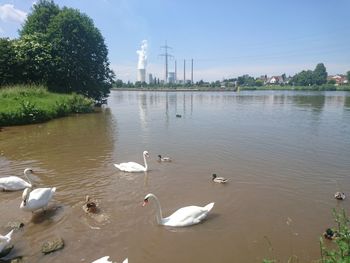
[145,201]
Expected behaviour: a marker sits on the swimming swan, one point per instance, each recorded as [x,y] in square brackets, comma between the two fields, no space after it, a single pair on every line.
[133,167]
[106,260]
[5,240]
[184,216]
[14,183]
[220,180]
[35,199]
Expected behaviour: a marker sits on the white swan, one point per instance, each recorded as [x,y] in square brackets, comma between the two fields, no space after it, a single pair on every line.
[132,166]
[184,216]
[5,240]
[220,180]
[14,183]
[36,199]
[106,260]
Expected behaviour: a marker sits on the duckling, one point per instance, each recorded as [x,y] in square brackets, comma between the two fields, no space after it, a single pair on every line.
[330,234]
[339,196]
[163,159]
[90,206]
[220,180]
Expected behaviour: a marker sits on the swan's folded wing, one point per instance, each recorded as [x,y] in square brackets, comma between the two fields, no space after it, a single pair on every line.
[186,216]
[102,260]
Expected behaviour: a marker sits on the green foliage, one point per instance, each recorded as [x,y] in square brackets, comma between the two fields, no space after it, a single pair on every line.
[27,104]
[309,77]
[8,63]
[60,48]
[39,19]
[348,76]
[246,80]
[33,54]
[80,63]
[341,252]
[320,74]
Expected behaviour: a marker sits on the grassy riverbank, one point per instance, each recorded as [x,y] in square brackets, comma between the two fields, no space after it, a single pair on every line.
[34,104]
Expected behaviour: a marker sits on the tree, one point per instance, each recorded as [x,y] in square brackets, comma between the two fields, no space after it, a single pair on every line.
[33,55]
[80,56]
[348,76]
[8,64]
[40,18]
[320,74]
[304,78]
[64,50]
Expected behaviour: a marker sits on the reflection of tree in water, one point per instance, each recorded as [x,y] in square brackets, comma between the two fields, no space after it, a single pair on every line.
[315,103]
[347,102]
[81,140]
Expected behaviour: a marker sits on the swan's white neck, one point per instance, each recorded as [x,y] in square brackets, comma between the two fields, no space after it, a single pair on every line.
[159,209]
[145,161]
[25,195]
[26,175]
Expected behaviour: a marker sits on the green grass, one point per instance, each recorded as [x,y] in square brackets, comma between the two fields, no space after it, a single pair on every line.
[33,104]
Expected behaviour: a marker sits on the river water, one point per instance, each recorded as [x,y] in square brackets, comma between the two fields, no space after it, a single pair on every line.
[284,153]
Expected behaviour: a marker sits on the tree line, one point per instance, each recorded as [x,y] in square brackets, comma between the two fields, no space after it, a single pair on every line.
[60,48]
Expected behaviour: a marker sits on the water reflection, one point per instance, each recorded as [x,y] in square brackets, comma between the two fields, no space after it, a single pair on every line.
[279,150]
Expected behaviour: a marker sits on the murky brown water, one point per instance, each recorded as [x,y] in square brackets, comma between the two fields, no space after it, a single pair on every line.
[285,154]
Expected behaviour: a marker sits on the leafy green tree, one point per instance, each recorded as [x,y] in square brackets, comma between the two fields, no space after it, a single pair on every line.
[348,76]
[8,64]
[33,54]
[246,80]
[41,16]
[304,78]
[320,74]
[80,62]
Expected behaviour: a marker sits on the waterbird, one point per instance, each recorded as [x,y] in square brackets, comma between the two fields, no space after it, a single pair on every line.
[178,116]
[163,159]
[330,234]
[339,196]
[132,166]
[106,260]
[5,240]
[184,216]
[35,199]
[90,206]
[14,183]
[220,180]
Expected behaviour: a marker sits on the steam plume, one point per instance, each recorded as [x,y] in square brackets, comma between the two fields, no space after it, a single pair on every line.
[142,55]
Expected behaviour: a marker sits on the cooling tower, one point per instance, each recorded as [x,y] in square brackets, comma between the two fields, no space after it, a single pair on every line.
[141,75]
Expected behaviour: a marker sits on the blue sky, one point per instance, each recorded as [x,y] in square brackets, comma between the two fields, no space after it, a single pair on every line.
[225,38]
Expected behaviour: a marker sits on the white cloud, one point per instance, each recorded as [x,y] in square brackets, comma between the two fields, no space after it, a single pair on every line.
[8,13]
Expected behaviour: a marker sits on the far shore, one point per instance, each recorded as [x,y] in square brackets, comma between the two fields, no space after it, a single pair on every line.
[245,88]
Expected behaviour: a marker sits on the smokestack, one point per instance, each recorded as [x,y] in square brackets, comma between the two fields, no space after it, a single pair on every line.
[175,72]
[192,71]
[142,62]
[184,71]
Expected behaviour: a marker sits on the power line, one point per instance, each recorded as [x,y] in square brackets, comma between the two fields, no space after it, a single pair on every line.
[166,55]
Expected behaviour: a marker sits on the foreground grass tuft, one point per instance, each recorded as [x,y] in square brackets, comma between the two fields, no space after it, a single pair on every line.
[34,104]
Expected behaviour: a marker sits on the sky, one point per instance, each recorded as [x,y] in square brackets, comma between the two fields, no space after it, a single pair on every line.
[225,38]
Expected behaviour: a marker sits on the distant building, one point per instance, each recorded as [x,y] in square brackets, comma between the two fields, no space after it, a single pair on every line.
[171,77]
[150,78]
[339,79]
